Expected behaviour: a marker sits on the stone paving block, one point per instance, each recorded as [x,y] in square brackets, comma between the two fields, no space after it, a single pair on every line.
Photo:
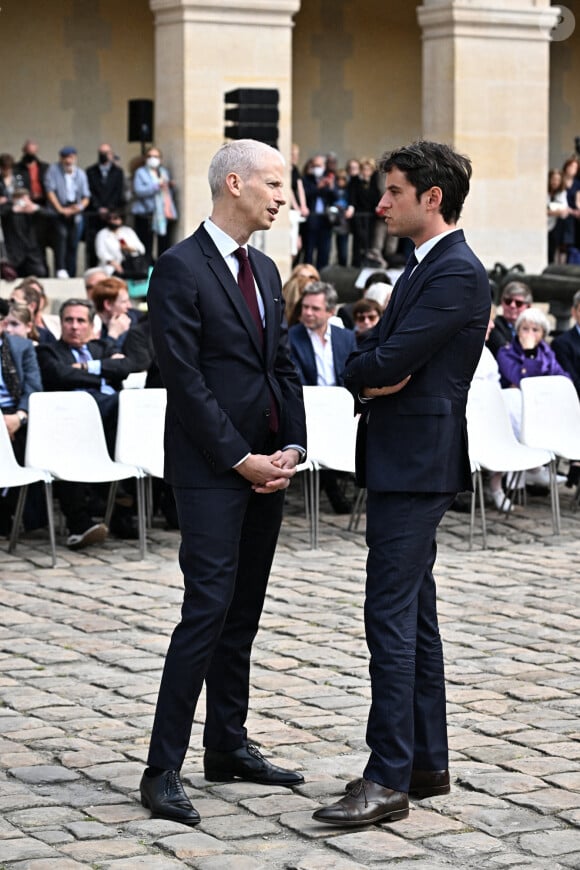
[24,849]
[148,862]
[371,846]
[95,851]
[466,847]
[549,843]
[39,817]
[43,773]
[502,822]
[547,800]
[59,863]
[501,783]
[150,830]
[542,765]
[275,806]
[237,827]
[89,830]
[53,837]
[318,860]
[193,845]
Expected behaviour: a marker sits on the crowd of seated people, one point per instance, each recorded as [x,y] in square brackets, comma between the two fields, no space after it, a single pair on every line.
[109,338]
[57,204]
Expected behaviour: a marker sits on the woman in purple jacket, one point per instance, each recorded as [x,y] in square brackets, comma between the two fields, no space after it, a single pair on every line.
[528,356]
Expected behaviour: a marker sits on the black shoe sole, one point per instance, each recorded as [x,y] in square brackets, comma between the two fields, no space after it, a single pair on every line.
[215,776]
[420,794]
[393,816]
[191,823]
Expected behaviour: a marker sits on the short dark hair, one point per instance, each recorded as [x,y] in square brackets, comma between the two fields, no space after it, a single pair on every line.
[70,303]
[430,164]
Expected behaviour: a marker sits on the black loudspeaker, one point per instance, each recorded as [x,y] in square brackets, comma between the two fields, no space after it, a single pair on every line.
[252,113]
[140,121]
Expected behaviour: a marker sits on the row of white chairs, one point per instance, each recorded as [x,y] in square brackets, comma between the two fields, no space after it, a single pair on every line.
[66,441]
[550,431]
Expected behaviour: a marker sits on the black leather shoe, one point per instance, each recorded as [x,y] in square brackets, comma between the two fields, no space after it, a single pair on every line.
[424,784]
[165,797]
[247,763]
[365,804]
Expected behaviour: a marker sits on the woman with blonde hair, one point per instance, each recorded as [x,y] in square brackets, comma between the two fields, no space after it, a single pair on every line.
[301,276]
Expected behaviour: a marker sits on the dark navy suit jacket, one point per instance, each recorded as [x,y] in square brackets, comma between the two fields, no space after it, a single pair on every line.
[343,344]
[433,329]
[220,381]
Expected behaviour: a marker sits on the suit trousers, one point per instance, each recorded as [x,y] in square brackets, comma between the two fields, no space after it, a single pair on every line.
[228,541]
[407,725]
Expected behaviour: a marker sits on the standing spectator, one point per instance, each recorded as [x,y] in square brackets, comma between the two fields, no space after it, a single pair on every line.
[68,195]
[10,178]
[343,215]
[558,216]
[24,231]
[153,204]
[364,195]
[320,194]
[107,186]
[298,208]
[33,171]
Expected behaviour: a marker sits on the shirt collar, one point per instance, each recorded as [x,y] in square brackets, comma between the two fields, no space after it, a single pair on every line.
[422,251]
[313,334]
[224,243]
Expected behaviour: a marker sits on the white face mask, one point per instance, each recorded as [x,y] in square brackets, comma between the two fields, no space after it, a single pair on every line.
[318,171]
[153,162]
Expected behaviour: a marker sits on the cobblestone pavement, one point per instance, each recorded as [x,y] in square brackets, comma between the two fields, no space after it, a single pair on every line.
[82,648]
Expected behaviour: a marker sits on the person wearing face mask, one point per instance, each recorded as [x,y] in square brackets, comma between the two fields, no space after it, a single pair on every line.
[153,204]
[107,187]
[68,195]
[116,245]
[320,193]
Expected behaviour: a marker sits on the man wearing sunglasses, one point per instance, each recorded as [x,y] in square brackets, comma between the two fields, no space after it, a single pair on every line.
[515,297]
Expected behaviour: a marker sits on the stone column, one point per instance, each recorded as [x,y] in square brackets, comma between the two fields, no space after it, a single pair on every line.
[485,90]
[202,50]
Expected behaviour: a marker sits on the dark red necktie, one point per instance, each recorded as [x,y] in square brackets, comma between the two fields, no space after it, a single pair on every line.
[248,288]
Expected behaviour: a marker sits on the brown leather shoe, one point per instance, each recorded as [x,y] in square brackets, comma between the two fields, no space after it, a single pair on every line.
[429,783]
[365,804]
[424,784]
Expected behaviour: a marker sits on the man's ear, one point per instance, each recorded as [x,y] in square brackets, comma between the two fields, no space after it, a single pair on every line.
[434,198]
[234,183]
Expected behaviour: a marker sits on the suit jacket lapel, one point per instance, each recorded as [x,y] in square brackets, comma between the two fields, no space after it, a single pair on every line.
[220,269]
[270,309]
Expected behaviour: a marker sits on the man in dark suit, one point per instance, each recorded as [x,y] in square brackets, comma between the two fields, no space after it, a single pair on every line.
[320,351]
[107,187]
[411,377]
[567,345]
[234,433]
[74,362]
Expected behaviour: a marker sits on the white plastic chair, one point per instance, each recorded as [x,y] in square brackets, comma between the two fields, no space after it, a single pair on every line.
[66,437]
[135,381]
[140,428]
[12,474]
[493,445]
[331,432]
[551,418]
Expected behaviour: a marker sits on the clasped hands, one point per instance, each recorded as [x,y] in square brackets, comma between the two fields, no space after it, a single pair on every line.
[270,473]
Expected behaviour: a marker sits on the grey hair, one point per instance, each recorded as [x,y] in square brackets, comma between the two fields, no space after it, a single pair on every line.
[536,316]
[330,294]
[243,156]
